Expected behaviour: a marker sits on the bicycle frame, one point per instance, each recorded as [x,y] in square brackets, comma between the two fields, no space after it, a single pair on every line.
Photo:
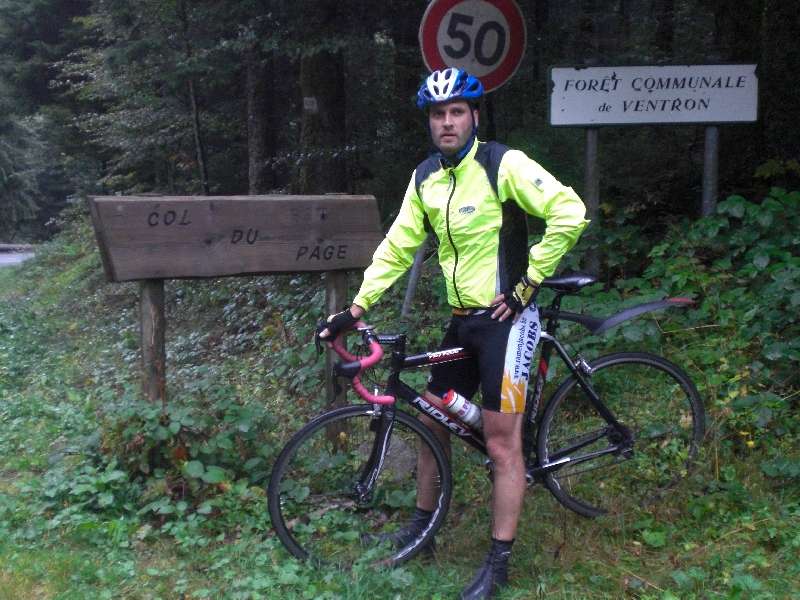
[620,437]
[400,362]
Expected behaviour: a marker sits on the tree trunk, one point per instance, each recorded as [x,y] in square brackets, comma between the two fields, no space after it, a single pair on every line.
[779,107]
[742,35]
[591,197]
[408,124]
[541,13]
[200,150]
[624,16]
[665,26]
[323,133]
[260,113]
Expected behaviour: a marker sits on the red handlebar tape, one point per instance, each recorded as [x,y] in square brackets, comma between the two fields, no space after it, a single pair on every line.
[375,354]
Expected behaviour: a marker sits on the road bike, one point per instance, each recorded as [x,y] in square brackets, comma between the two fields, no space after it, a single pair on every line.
[616,434]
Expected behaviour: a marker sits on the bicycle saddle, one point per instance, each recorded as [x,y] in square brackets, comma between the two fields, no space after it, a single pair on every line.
[568,284]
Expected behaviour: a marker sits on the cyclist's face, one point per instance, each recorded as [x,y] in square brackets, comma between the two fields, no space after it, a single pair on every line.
[451,125]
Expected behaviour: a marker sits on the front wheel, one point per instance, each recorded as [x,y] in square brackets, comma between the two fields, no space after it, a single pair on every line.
[313,502]
[655,401]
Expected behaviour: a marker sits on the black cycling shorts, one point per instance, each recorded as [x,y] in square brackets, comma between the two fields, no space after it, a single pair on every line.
[501,358]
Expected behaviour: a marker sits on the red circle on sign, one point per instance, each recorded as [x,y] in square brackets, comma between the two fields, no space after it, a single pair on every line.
[429,29]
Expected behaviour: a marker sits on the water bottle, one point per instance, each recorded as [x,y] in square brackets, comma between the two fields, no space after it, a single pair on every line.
[460,407]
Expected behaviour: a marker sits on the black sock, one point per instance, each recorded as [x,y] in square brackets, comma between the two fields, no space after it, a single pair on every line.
[421,518]
[502,545]
[500,552]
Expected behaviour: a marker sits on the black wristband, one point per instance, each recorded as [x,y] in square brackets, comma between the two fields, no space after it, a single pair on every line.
[512,302]
[515,298]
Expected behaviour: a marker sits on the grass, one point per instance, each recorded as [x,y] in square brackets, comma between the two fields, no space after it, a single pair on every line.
[68,351]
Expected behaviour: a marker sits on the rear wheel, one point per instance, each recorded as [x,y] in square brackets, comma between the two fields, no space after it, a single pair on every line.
[312,500]
[650,396]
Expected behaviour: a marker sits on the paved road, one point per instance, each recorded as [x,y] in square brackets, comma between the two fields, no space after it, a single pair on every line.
[13,258]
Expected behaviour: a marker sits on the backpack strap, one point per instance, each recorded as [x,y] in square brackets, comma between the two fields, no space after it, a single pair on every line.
[424,170]
[489,155]
[513,237]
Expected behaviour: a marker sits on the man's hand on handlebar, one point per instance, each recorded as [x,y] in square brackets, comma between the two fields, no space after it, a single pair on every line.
[335,324]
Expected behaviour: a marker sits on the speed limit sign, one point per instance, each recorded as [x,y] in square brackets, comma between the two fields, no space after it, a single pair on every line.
[484,37]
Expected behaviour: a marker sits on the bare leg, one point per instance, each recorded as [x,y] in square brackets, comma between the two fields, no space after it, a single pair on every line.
[503,434]
[427,482]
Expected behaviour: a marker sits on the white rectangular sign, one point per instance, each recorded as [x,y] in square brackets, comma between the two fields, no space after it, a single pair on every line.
[643,95]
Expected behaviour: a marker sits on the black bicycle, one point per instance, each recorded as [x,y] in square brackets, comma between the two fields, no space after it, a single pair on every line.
[615,435]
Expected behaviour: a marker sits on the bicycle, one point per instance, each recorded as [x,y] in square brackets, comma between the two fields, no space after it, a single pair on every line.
[346,480]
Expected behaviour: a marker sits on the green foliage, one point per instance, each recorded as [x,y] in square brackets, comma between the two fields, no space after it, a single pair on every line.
[111,81]
[102,495]
[172,497]
[741,345]
[203,447]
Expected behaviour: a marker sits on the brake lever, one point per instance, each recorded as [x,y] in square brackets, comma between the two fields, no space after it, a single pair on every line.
[318,344]
[317,341]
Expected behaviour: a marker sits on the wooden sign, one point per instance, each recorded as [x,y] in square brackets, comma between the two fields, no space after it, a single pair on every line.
[168,237]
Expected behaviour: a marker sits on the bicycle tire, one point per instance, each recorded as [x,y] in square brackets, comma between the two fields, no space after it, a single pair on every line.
[646,393]
[310,495]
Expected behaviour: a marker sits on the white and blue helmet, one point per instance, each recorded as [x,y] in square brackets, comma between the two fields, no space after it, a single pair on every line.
[449,84]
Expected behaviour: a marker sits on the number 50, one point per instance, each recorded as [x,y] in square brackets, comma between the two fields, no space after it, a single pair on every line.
[455,29]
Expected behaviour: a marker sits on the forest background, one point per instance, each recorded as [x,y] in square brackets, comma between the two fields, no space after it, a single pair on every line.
[193,97]
[181,97]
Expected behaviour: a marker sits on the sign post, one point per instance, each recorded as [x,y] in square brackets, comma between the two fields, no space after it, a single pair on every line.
[710,171]
[591,191]
[153,341]
[643,95]
[149,239]
[335,299]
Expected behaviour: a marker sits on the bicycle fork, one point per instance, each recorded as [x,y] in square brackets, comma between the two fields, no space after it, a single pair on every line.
[382,424]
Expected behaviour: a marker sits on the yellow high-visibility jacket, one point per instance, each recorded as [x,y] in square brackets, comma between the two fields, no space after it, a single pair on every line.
[475,209]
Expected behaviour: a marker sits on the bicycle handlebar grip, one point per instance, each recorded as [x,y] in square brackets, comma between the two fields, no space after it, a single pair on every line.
[375,355]
[376,351]
[371,398]
[339,348]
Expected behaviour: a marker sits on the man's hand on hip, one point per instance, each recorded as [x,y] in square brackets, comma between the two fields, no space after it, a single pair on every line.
[512,302]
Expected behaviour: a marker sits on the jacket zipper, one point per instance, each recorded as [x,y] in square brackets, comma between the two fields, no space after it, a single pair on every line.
[450,236]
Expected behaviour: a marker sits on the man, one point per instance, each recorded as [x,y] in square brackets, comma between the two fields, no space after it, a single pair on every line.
[475,197]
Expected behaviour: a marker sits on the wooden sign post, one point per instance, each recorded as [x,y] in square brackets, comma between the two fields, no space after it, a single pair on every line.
[706,95]
[153,238]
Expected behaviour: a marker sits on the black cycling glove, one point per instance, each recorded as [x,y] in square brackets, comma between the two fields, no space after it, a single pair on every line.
[518,298]
[337,323]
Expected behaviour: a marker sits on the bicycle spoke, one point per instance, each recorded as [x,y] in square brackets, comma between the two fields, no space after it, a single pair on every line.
[647,395]
[313,500]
